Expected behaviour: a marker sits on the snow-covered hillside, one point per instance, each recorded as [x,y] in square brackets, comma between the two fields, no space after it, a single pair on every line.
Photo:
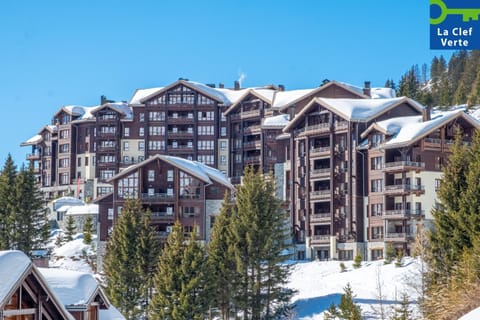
[319,283]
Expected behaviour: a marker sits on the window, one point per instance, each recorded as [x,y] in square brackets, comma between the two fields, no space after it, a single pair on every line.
[156,145]
[204,100]
[64,162]
[377,139]
[79,164]
[110,214]
[223,117]
[64,178]
[65,148]
[223,160]
[223,131]
[86,161]
[376,209]
[106,174]
[128,186]
[151,175]
[141,145]
[125,146]
[156,130]
[107,159]
[103,191]
[190,211]
[206,159]
[437,184]
[438,163]
[170,175]
[205,144]
[108,130]
[156,115]
[141,131]
[141,117]
[64,134]
[377,185]
[205,130]
[206,115]
[126,132]
[377,163]
[223,145]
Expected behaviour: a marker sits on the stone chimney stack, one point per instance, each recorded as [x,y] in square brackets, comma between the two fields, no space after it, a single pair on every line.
[281,87]
[221,85]
[366,89]
[236,85]
[426,116]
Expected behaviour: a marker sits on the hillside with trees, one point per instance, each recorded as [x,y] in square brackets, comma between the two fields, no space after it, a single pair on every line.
[443,83]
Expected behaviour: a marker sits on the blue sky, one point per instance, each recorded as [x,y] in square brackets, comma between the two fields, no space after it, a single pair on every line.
[56,53]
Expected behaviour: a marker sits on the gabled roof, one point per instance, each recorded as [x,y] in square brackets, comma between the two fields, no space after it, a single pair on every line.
[76,290]
[263,94]
[204,89]
[120,107]
[407,130]
[275,122]
[194,168]
[15,267]
[82,210]
[357,110]
[142,93]
[36,139]
[284,99]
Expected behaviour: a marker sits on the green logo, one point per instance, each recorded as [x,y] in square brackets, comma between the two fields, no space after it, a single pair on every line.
[467,14]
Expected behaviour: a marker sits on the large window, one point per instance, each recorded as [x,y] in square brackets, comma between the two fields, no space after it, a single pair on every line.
[141,145]
[156,145]
[377,185]
[65,148]
[206,130]
[108,129]
[107,159]
[64,178]
[206,115]
[377,163]
[206,144]
[64,134]
[106,174]
[128,186]
[64,162]
[189,186]
[156,116]
[156,130]
[206,159]
[377,209]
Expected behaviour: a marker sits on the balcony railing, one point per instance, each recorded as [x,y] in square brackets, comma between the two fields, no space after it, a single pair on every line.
[158,197]
[316,128]
[250,114]
[317,238]
[252,129]
[403,188]
[402,214]
[320,217]
[161,215]
[320,194]
[252,159]
[398,237]
[252,144]
[340,125]
[320,151]
[33,156]
[320,172]
[404,165]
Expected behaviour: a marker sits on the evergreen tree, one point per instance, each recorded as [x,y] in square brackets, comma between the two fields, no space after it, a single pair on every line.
[71,227]
[149,251]
[260,233]
[31,222]
[357,261]
[125,286]
[403,311]
[221,261]
[7,203]
[87,230]
[180,281]
[389,253]
[410,83]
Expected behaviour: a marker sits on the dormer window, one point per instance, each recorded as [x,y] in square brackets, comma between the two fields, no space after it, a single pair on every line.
[377,139]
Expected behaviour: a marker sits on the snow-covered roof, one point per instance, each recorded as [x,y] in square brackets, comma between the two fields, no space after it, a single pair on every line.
[73,288]
[81,210]
[405,130]
[120,107]
[142,93]
[110,314]
[286,98]
[279,121]
[36,139]
[198,169]
[359,110]
[382,93]
[13,265]
[195,168]
[63,208]
[70,201]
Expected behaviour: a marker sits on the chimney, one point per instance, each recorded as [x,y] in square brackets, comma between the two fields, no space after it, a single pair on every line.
[426,114]
[366,89]
[281,87]
[236,85]
[221,85]
[324,82]
[211,85]
[103,100]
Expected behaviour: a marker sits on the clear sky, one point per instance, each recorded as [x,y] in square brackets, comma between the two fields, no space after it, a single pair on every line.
[56,53]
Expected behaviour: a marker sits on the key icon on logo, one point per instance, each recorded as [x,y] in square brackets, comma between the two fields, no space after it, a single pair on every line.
[468,14]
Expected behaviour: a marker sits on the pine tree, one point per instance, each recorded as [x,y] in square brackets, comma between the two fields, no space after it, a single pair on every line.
[121,262]
[180,281]
[347,309]
[71,227]
[7,203]
[87,230]
[403,311]
[260,232]
[149,251]
[357,261]
[389,253]
[31,224]
[221,261]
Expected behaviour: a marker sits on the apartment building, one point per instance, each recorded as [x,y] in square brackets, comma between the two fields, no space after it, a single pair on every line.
[404,158]
[327,147]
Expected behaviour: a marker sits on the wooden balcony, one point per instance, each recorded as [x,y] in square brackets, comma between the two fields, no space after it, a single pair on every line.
[398,166]
[163,216]
[320,152]
[319,173]
[157,197]
[252,159]
[321,218]
[397,237]
[313,129]
[253,129]
[180,134]
[181,120]
[250,114]
[257,144]
[402,214]
[33,156]
[399,189]
[321,239]
[320,194]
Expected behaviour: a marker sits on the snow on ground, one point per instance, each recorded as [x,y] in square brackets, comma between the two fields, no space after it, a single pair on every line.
[472,315]
[71,255]
[320,283]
